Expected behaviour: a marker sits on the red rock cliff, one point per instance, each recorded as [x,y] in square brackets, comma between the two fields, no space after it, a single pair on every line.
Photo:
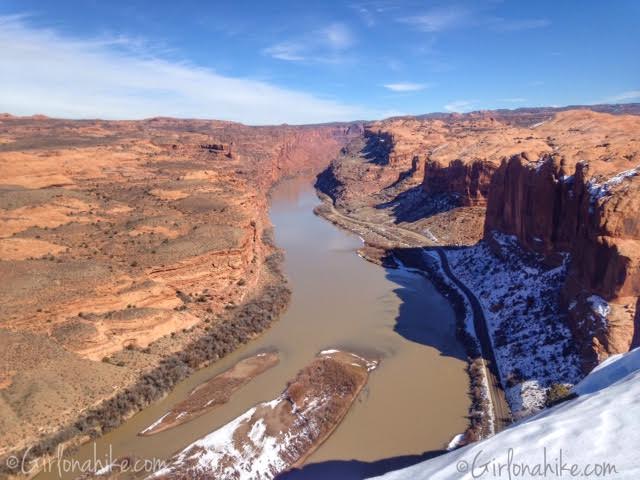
[589,209]
[540,182]
[456,155]
[469,182]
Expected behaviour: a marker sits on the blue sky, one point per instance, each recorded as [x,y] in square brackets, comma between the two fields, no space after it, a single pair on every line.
[304,62]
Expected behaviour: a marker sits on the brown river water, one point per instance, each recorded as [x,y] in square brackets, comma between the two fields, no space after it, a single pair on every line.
[415,401]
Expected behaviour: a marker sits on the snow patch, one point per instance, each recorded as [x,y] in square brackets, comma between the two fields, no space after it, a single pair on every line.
[600,308]
[329,352]
[253,459]
[155,424]
[455,442]
[431,236]
[601,190]
[520,299]
[600,426]
[609,372]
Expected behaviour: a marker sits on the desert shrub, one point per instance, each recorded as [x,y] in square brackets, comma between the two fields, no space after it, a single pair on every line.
[496,307]
[514,377]
[238,326]
[558,393]
[530,301]
[295,393]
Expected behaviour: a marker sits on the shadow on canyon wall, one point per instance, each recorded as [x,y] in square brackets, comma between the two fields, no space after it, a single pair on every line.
[415,204]
[635,342]
[377,147]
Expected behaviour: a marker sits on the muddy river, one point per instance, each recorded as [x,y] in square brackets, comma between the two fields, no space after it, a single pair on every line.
[414,403]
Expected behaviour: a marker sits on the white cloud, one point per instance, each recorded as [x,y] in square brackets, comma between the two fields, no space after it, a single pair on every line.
[45,72]
[375,12]
[406,86]
[513,100]
[366,15]
[438,19]
[324,45]
[338,36]
[624,96]
[286,51]
[459,106]
[447,18]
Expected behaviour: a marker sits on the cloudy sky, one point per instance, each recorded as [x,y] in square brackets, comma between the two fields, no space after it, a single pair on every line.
[304,62]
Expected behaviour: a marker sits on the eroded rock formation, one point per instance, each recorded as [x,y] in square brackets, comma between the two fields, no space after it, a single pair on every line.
[124,243]
[582,199]
[554,179]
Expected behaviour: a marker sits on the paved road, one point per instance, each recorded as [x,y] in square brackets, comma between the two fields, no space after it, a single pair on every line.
[409,238]
[501,411]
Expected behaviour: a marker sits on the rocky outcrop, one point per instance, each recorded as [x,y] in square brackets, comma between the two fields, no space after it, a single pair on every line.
[551,178]
[462,154]
[455,157]
[128,243]
[551,211]
[467,182]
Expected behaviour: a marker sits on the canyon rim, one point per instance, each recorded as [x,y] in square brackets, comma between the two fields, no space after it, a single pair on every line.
[344,240]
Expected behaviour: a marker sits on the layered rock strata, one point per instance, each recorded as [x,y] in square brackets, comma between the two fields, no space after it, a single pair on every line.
[123,244]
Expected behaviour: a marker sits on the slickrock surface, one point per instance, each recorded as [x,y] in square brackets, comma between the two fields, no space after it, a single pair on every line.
[122,244]
[214,392]
[275,436]
[429,175]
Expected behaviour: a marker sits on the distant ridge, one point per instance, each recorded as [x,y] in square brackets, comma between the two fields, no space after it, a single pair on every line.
[526,116]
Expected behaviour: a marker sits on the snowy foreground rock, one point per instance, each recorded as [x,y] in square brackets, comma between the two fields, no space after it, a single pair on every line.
[593,436]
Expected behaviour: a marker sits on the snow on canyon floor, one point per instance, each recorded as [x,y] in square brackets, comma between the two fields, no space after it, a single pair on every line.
[520,299]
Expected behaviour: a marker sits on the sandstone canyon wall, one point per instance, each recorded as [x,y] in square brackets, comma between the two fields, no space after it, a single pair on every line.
[129,249]
[457,156]
[582,199]
[568,183]
[552,178]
